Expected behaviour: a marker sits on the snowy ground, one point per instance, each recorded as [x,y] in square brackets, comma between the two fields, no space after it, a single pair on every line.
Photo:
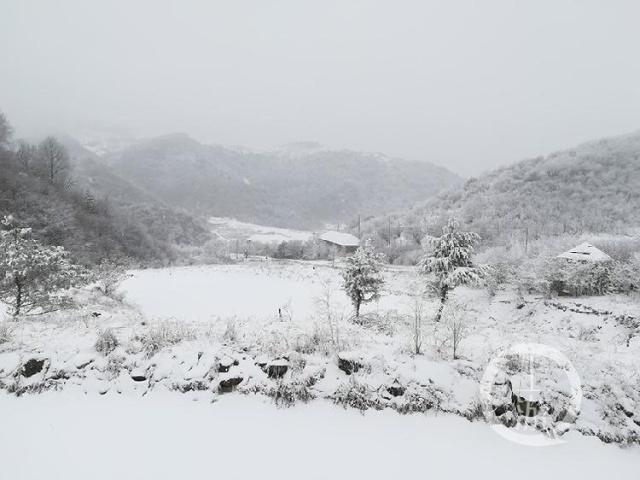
[251,290]
[196,333]
[232,229]
[61,436]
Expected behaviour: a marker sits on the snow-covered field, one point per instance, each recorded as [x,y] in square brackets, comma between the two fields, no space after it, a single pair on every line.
[71,437]
[261,327]
[254,289]
[232,229]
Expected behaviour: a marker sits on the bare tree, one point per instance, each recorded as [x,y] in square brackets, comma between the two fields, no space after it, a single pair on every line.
[416,324]
[325,303]
[55,160]
[456,327]
[25,154]
[5,131]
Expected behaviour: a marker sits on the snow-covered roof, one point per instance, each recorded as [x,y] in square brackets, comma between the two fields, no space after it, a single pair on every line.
[585,252]
[340,238]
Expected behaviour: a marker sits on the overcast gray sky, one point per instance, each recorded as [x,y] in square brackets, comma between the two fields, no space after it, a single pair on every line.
[468,85]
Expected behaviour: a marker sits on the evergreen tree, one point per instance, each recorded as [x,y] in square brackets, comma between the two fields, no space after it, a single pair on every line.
[450,261]
[31,275]
[362,276]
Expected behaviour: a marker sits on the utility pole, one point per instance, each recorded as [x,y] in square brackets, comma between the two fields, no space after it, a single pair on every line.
[526,240]
[359,235]
[389,231]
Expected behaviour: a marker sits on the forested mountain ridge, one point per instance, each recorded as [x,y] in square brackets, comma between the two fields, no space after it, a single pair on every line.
[594,187]
[70,199]
[295,188]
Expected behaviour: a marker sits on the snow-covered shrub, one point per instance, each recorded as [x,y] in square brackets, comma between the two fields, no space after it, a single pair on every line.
[164,335]
[292,249]
[5,333]
[497,276]
[402,253]
[509,255]
[286,393]
[625,277]
[309,344]
[108,276]
[586,334]
[230,333]
[115,364]
[106,342]
[475,411]
[357,395]
[533,276]
[214,251]
[417,399]
[382,323]
[576,279]
[553,276]
[185,386]
[514,364]
[297,363]
[620,248]
[276,342]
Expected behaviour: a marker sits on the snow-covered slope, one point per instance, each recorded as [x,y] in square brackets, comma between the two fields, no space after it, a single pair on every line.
[282,329]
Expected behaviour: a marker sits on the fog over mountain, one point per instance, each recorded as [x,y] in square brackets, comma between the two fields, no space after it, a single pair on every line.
[301,185]
[465,85]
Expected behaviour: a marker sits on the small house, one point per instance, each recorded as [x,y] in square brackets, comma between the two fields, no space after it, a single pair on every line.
[342,242]
[582,270]
[585,253]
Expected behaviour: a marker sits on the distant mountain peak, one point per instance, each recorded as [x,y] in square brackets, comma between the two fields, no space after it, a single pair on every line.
[302,147]
[176,138]
[301,185]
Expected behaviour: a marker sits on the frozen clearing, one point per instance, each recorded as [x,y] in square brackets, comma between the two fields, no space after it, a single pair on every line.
[254,289]
[164,436]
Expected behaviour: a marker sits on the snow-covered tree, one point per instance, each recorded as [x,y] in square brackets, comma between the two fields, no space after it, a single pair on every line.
[31,275]
[449,260]
[362,276]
